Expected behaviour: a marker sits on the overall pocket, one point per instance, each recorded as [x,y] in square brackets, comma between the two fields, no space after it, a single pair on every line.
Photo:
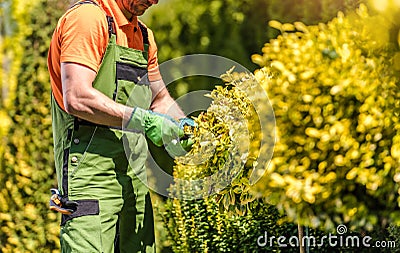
[132,87]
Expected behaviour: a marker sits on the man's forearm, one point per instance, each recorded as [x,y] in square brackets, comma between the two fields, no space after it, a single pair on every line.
[83,101]
[95,107]
[169,107]
[163,102]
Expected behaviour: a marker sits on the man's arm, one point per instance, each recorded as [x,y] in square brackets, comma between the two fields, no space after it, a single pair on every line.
[163,102]
[85,102]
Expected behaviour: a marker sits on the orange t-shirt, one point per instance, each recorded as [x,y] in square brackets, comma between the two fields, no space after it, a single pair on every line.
[81,36]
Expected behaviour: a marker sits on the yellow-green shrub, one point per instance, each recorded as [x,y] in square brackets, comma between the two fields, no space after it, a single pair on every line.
[335,94]
[227,142]
[200,219]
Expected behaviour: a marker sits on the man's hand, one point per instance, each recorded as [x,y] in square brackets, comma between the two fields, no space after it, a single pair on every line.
[185,143]
[159,128]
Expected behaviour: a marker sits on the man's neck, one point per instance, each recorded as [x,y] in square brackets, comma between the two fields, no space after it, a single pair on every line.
[127,14]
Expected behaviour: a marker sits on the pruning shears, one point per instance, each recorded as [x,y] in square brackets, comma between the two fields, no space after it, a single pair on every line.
[61,204]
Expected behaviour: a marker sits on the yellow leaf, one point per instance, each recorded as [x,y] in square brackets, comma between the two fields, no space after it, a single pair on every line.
[288,27]
[313,132]
[301,27]
[275,24]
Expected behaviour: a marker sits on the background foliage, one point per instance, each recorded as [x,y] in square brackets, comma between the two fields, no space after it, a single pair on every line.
[27,170]
[336,101]
[228,28]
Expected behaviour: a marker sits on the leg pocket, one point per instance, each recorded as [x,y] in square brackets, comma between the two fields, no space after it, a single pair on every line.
[84,208]
[81,234]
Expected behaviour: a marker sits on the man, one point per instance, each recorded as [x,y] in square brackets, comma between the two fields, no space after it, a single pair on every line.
[104,74]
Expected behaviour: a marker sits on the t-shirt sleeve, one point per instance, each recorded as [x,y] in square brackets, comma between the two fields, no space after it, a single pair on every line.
[154,72]
[84,36]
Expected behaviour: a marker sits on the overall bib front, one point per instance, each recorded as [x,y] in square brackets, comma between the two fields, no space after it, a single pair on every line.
[94,169]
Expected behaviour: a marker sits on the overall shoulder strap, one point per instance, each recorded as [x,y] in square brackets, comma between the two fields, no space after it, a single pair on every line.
[145,33]
[84,2]
[111,26]
[110,20]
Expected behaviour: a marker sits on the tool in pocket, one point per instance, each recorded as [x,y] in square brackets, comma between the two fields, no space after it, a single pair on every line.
[61,204]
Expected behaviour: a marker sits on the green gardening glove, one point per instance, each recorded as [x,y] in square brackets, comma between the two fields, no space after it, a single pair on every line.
[187,141]
[159,128]
[187,122]
[179,148]
[184,145]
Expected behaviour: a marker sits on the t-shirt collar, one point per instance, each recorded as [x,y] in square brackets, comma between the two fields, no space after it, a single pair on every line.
[121,20]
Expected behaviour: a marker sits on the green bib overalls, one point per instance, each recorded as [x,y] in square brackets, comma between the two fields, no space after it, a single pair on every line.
[108,181]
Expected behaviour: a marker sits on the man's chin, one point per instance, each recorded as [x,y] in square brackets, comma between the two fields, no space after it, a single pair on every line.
[139,12]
